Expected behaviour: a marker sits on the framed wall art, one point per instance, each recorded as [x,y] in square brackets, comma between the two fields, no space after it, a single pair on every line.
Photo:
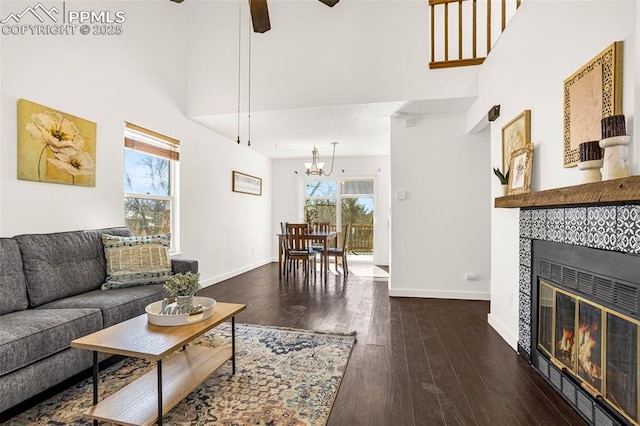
[520,165]
[246,184]
[591,94]
[515,135]
[54,146]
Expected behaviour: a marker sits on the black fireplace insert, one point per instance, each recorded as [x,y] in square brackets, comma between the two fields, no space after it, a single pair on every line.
[585,325]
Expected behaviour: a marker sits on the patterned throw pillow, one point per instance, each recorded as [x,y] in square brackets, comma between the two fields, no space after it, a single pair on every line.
[134,261]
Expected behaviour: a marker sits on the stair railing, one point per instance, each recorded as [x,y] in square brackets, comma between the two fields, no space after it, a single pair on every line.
[474,37]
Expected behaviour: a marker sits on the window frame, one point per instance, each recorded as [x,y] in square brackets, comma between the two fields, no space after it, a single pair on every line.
[147,137]
[339,196]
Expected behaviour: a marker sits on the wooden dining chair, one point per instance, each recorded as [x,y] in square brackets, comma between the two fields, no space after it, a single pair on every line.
[283,245]
[299,249]
[318,245]
[341,252]
[320,226]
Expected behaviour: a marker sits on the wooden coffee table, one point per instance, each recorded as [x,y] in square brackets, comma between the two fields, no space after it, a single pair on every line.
[149,397]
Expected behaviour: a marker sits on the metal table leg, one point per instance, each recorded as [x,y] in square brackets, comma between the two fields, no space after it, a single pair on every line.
[95,382]
[233,345]
[159,366]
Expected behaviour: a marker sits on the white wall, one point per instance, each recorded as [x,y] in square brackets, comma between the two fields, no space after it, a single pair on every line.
[359,51]
[139,77]
[440,231]
[526,70]
[288,195]
[636,95]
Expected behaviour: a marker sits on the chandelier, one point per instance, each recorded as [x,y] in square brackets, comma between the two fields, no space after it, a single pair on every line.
[316,167]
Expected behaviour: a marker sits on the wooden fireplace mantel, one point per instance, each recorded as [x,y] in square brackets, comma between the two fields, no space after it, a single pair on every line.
[617,191]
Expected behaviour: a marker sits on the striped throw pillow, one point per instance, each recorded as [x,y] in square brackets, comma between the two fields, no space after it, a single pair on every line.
[134,261]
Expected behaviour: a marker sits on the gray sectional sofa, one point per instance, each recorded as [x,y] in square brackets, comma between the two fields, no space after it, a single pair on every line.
[50,295]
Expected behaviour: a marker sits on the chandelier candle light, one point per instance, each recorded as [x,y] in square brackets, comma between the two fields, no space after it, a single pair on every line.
[316,167]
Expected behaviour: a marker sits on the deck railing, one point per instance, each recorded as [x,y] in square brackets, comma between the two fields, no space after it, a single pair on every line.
[476,27]
[361,239]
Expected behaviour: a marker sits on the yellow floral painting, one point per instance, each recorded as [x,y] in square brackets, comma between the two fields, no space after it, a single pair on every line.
[55,147]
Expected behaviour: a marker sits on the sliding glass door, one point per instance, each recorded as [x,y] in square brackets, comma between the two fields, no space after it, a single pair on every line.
[342,201]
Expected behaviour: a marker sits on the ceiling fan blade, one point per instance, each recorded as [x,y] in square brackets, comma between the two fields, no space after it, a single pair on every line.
[260,16]
[330,3]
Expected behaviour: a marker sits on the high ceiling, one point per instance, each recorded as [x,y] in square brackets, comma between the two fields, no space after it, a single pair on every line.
[319,75]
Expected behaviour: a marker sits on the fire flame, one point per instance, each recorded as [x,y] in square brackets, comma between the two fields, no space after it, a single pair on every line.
[566,343]
[586,346]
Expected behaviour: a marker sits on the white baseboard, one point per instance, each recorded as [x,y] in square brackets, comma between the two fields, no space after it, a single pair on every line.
[503,331]
[226,276]
[440,294]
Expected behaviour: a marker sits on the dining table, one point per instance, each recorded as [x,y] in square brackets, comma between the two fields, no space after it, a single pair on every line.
[323,237]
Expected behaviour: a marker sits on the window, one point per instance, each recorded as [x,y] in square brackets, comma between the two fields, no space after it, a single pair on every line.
[150,183]
[342,201]
[320,203]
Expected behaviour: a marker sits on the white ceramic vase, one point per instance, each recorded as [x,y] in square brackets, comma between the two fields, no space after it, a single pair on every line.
[591,170]
[616,162]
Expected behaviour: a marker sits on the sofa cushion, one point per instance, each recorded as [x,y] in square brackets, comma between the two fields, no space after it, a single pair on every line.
[134,261]
[31,335]
[182,266]
[117,305]
[63,264]
[19,385]
[13,286]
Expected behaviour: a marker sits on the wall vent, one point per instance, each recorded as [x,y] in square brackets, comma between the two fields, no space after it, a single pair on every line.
[603,289]
[545,269]
[570,277]
[556,273]
[585,405]
[585,282]
[626,296]
[616,294]
[569,390]
[602,419]
[543,366]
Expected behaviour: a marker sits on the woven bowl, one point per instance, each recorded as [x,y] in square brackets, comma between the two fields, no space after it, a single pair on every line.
[154,316]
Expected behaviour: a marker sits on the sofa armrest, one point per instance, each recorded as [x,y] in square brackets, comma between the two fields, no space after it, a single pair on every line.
[184,265]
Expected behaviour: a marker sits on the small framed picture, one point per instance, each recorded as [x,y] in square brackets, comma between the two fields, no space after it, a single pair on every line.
[246,184]
[520,166]
[515,135]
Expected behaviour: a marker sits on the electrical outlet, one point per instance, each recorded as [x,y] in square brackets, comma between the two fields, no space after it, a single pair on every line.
[469,276]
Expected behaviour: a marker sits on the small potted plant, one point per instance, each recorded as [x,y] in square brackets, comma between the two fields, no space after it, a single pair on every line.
[183,287]
[504,179]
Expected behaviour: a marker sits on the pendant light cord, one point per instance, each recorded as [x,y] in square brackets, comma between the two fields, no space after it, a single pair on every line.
[239,62]
[249,88]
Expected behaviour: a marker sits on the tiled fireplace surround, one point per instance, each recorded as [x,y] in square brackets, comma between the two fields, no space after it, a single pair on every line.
[610,227]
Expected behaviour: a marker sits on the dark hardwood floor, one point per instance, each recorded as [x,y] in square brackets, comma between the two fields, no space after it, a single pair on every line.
[416,361]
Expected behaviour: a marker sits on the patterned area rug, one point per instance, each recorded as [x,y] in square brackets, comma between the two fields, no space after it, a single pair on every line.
[283,377]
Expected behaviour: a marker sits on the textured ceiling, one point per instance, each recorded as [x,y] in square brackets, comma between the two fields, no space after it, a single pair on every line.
[359,129]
